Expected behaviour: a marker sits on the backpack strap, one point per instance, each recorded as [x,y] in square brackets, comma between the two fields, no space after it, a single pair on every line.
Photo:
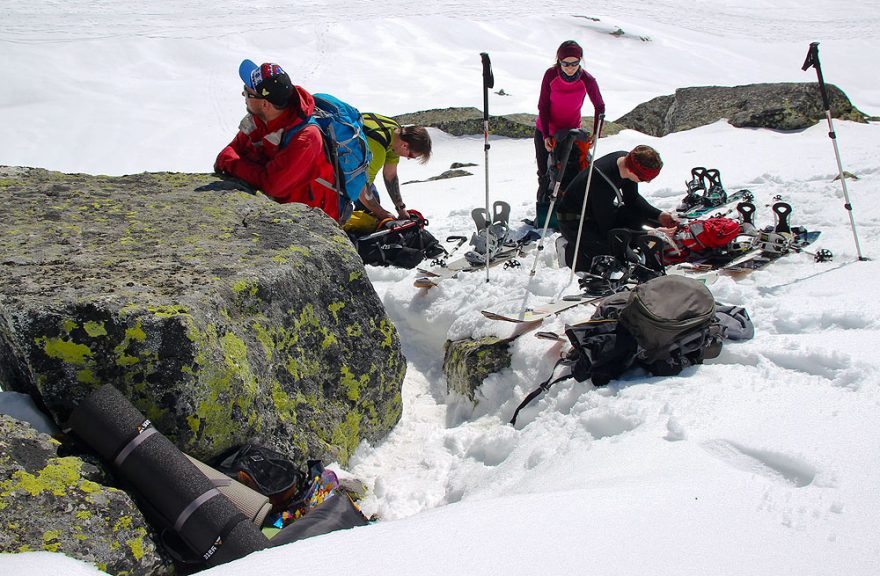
[289,134]
[328,153]
[543,387]
[610,183]
[383,133]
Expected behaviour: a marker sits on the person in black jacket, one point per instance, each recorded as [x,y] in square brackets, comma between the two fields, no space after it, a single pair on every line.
[613,202]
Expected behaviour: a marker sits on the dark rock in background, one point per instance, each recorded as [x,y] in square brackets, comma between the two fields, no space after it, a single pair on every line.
[465,121]
[783,106]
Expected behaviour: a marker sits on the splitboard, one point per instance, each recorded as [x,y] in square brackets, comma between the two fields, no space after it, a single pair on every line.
[759,258]
[727,207]
[431,278]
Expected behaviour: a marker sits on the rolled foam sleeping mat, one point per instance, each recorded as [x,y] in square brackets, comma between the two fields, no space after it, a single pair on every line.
[337,512]
[206,520]
[251,503]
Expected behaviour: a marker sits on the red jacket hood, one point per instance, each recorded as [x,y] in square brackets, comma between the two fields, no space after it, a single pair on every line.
[305,100]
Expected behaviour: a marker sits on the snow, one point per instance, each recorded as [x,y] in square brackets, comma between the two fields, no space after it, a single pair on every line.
[765,460]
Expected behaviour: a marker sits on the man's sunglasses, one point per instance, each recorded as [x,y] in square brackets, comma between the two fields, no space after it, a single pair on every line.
[566,64]
[248,94]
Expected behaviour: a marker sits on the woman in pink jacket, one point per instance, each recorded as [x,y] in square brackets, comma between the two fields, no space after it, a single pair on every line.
[563,90]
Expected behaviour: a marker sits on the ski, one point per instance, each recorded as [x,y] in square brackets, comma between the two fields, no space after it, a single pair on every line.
[502,249]
[702,272]
[560,336]
[543,311]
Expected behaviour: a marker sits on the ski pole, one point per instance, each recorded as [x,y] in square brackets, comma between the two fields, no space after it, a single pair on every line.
[568,144]
[577,244]
[488,82]
[442,261]
[812,60]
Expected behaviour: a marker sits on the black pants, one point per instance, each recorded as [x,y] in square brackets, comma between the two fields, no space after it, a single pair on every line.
[594,239]
[542,156]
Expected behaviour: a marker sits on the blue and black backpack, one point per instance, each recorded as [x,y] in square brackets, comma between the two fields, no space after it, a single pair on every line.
[345,145]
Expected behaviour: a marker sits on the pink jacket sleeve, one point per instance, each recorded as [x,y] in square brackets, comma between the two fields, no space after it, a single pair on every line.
[595,97]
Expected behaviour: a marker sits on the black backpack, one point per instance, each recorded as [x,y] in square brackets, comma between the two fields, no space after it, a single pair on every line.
[264,470]
[401,243]
[665,325]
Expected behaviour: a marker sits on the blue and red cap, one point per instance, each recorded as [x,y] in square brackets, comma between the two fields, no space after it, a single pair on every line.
[269,81]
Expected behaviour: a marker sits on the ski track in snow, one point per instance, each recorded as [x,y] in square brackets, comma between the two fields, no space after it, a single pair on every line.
[780,467]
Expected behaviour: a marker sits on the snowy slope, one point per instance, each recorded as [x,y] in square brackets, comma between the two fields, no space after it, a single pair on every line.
[765,460]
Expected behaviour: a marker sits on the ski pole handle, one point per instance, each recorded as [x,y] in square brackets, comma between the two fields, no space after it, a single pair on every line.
[812,60]
[488,82]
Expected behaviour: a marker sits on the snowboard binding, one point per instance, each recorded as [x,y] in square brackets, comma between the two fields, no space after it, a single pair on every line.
[491,234]
[703,189]
[696,188]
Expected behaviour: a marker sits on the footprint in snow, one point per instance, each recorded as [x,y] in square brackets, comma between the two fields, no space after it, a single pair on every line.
[775,465]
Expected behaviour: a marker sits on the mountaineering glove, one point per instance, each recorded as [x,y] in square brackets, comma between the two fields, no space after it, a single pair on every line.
[225,160]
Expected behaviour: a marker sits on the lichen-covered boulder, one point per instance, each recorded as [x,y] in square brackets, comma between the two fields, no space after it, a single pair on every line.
[223,316]
[468,362]
[52,503]
[782,106]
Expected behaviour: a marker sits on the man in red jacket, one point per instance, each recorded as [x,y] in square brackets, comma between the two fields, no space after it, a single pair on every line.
[292,169]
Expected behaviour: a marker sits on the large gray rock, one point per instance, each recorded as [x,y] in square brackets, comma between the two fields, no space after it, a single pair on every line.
[783,106]
[53,503]
[469,121]
[225,317]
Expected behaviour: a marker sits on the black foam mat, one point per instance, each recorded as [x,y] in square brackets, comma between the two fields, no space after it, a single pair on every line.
[163,476]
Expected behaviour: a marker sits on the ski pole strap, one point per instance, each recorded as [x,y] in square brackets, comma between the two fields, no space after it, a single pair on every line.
[543,387]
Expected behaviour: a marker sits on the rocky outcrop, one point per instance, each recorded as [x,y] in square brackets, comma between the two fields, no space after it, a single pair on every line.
[467,363]
[54,503]
[784,106]
[223,316]
[464,121]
